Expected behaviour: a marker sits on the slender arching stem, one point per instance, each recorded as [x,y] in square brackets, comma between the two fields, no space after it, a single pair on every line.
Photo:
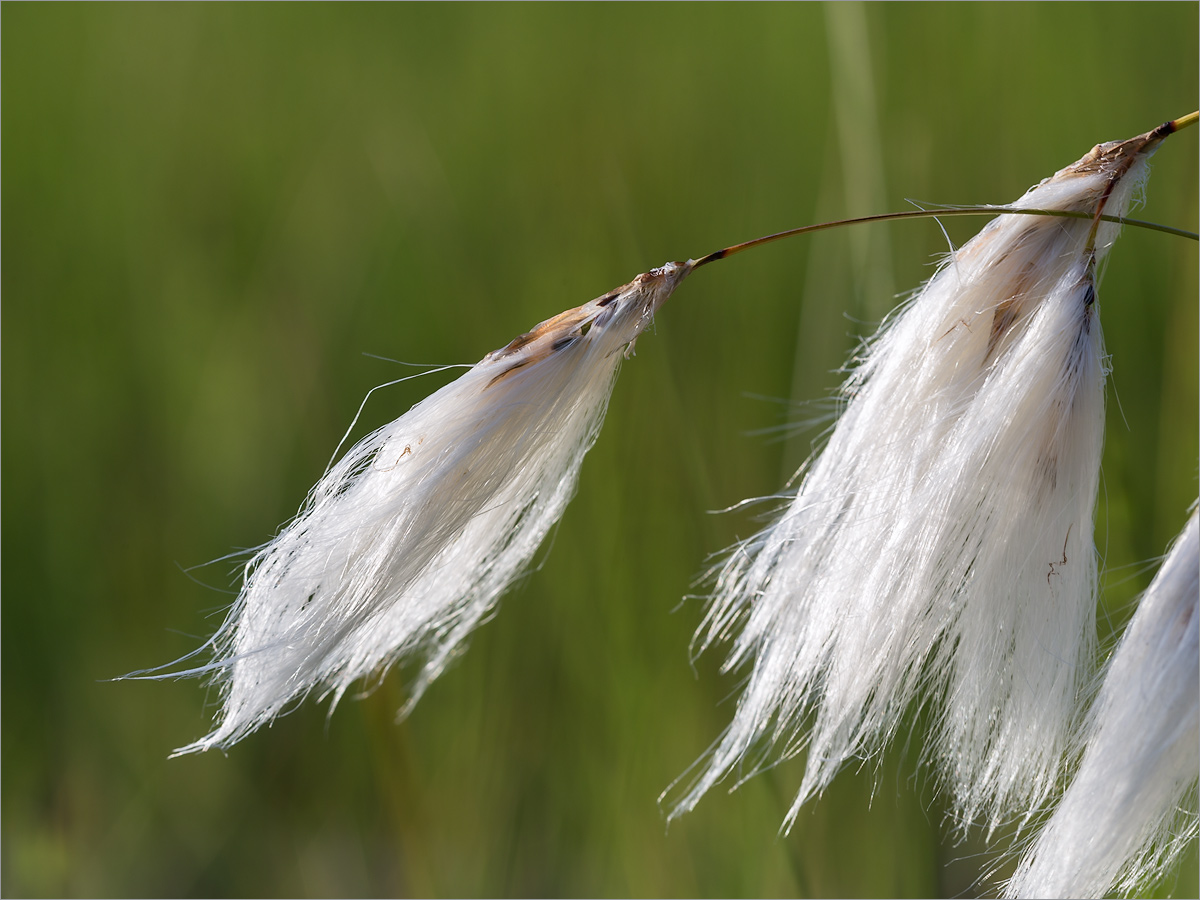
[1169,127]
[943,212]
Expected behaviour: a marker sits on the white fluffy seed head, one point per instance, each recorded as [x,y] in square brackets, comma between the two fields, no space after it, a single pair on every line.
[939,550]
[405,544]
[1132,804]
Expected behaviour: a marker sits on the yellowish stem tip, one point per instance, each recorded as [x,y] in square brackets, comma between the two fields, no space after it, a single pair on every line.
[1185,121]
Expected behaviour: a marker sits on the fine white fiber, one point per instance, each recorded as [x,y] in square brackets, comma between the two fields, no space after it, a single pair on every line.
[405,545]
[939,551]
[1132,805]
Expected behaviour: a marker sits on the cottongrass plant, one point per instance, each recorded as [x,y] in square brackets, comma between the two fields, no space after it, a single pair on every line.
[992,377]
[939,551]
[405,544]
[1131,807]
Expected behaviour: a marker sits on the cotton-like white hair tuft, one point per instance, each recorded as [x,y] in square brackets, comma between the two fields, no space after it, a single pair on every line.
[940,549]
[406,543]
[1132,805]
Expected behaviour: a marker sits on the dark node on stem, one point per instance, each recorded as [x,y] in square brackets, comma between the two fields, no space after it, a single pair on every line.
[712,257]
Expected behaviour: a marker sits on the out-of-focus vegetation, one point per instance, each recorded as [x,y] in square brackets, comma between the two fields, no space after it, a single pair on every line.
[212,212]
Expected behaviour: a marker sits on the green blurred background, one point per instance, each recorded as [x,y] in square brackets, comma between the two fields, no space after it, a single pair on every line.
[212,212]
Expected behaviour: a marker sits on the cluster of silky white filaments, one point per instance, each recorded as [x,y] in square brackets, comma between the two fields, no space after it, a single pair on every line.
[939,551]
[1131,806]
[404,545]
[938,554]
